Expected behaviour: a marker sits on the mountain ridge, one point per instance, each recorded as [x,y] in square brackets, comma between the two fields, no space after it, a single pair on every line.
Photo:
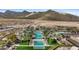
[45,15]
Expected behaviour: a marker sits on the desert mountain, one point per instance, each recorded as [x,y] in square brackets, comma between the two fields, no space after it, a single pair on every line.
[46,15]
[53,15]
[13,14]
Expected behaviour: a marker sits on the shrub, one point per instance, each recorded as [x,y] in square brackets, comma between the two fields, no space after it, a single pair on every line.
[51,41]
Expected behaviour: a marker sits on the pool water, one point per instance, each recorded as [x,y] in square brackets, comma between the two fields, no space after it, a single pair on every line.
[39,47]
[38,43]
[38,35]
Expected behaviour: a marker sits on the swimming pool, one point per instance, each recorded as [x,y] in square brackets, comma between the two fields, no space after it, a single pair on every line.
[38,43]
[38,35]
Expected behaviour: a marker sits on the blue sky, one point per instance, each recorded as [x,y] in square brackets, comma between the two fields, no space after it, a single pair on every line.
[71,11]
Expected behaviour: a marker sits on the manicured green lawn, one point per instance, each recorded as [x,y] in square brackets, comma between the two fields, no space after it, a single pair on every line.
[24,48]
[30,48]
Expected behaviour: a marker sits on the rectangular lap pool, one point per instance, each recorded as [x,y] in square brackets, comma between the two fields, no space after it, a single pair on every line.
[39,45]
